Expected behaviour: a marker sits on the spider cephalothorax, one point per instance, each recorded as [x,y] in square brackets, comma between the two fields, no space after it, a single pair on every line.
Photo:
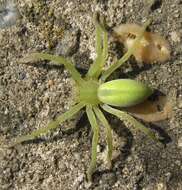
[95,94]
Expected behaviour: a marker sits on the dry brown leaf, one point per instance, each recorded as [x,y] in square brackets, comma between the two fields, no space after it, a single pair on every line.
[152,111]
[151,48]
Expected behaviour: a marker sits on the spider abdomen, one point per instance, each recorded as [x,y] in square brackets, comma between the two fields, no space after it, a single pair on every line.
[123,92]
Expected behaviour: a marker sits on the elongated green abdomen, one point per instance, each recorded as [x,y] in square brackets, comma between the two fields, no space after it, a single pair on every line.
[123,92]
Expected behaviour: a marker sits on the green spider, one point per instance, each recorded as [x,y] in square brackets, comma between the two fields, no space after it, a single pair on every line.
[96,94]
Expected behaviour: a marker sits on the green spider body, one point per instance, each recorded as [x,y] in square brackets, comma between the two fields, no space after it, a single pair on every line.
[88,92]
[123,92]
[96,94]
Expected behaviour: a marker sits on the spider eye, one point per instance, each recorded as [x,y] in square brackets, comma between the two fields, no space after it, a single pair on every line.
[123,92]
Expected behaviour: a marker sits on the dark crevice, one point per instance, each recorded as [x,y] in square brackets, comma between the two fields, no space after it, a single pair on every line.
[156,5]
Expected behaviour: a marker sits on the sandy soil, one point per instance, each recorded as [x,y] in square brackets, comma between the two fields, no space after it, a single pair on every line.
[31,95]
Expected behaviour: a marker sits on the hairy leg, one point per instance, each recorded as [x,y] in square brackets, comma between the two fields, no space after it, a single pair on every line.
[95,139]
[52,125]
[128,118]
[101,50]
[126,56]
[57,59]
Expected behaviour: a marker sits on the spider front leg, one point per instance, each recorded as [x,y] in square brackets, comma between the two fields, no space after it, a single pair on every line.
[56,59]
[126,56]
[95,139]
[52,125]
[128,118]
[101,50]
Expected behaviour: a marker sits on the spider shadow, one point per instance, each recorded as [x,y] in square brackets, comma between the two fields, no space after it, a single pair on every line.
[136,69]
[122,131]
[45,65]
[156,126]
[164,137]
[80,124]
[48,66]
[123,151]
[119,128]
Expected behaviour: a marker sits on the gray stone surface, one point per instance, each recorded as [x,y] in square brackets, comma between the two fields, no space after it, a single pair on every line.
[31,95]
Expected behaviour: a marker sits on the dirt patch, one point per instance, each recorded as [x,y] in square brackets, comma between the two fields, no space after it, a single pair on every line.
[30,96]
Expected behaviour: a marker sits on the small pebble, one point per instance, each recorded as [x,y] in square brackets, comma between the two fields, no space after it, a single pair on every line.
[180,105]
[50,83]
[161,186]
[175,37]
[6,111]
[8,13]
[180,142]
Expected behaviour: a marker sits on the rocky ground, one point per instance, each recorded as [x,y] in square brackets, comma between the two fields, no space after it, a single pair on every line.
[31,95]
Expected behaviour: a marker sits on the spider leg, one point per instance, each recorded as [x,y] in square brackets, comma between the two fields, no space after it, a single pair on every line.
[126,56]
[57,59]
[52,125]
[101,51]
[109,139]
[95,139]
[128,118]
